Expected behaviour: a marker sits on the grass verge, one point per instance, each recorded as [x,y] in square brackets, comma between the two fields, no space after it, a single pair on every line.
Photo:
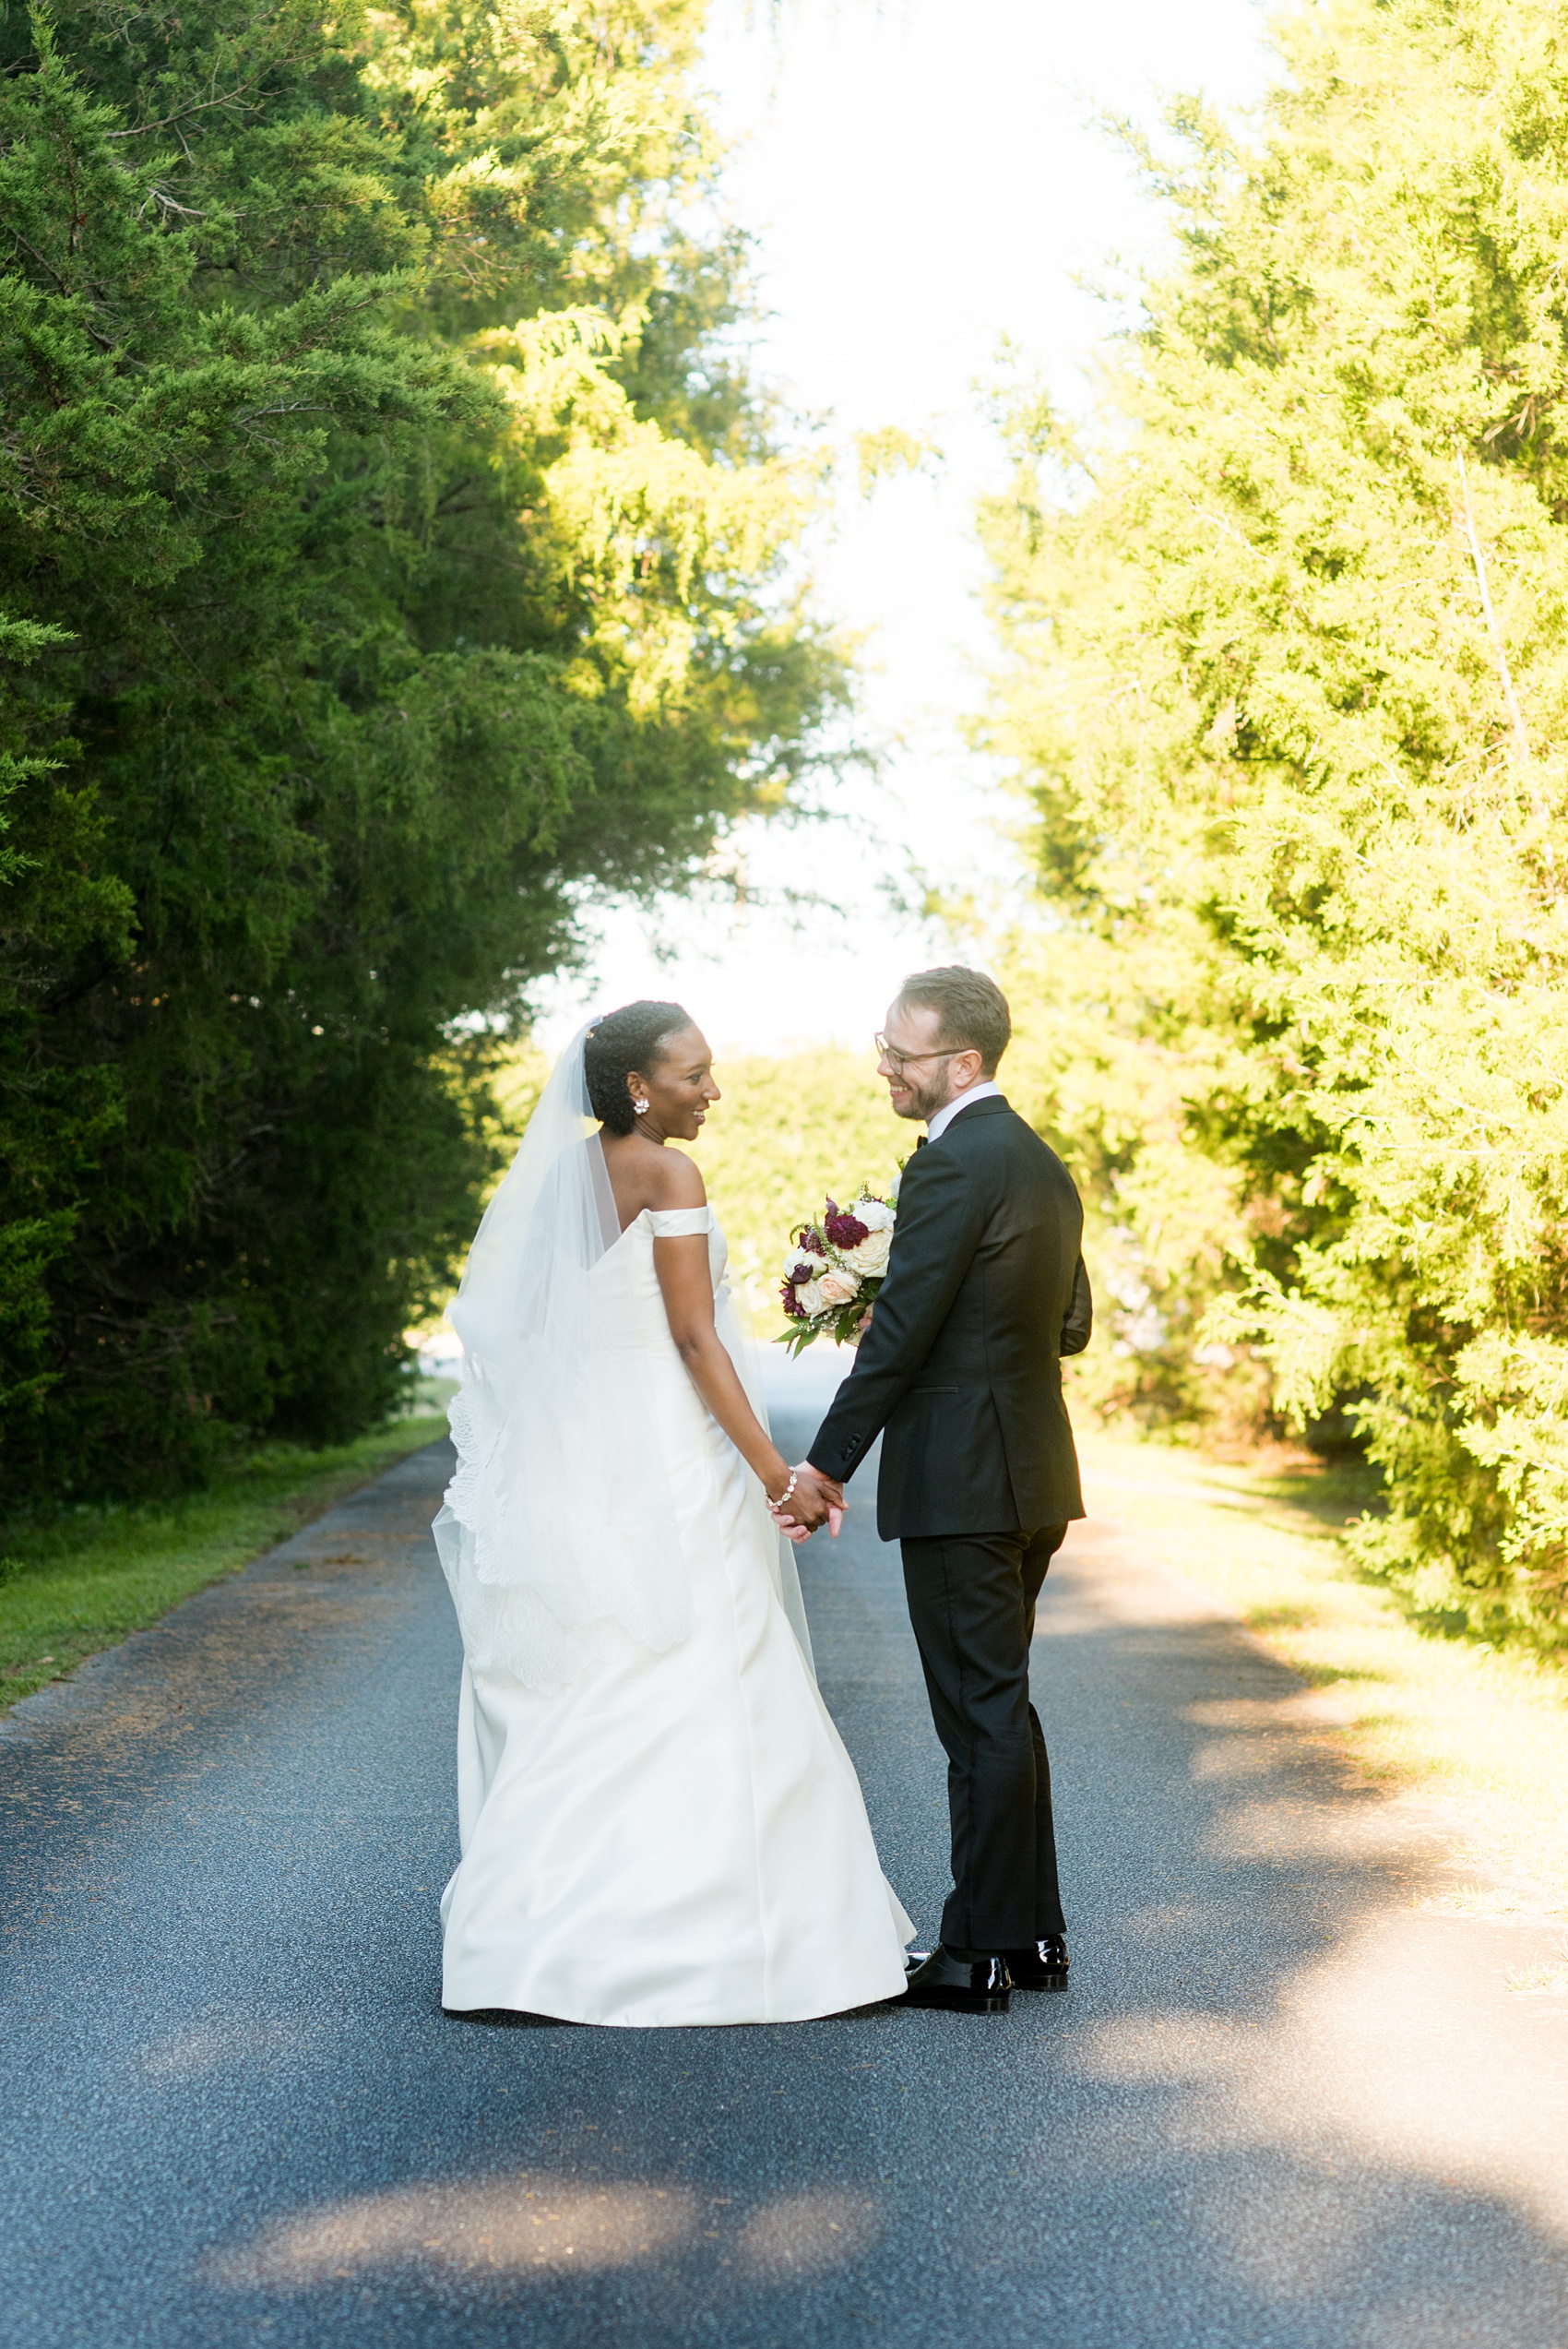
[75,1579]
[1483,1731]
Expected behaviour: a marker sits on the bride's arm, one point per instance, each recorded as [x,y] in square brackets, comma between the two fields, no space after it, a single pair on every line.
[688,1286]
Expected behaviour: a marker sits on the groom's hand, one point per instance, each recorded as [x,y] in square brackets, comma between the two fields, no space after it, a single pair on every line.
[815,1500]
[809,1501]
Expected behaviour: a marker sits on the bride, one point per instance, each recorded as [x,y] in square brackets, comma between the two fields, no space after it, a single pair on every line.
[659,1822]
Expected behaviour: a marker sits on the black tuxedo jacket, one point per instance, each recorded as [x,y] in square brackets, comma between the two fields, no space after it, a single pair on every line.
[985,1291]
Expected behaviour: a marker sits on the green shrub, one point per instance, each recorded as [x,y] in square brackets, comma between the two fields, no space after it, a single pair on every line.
[390,560]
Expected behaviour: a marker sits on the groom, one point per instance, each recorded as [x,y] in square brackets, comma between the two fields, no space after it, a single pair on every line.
[985,1291]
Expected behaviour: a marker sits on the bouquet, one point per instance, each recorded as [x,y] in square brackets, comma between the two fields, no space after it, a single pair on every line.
[834,1269]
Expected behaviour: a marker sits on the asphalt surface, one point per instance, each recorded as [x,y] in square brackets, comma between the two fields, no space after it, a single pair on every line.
[1281,2105]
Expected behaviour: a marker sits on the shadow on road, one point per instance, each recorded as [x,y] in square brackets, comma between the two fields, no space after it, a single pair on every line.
[1279,2106]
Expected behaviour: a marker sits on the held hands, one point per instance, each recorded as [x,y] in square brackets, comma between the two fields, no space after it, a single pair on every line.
[816,1501]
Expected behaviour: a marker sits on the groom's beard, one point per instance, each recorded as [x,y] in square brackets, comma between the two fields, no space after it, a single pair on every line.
[924,1102]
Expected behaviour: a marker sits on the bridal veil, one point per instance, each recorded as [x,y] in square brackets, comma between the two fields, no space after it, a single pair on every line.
[559,1516]
[561,1519]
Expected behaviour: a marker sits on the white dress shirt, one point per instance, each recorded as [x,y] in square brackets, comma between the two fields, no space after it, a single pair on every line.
[988,1090]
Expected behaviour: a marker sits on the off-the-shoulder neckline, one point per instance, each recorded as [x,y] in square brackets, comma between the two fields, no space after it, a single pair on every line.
[706,1209]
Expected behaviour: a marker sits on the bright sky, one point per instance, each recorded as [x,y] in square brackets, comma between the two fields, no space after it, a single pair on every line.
[924,178]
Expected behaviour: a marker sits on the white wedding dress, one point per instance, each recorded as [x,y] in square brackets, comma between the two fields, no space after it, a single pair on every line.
[673,1838]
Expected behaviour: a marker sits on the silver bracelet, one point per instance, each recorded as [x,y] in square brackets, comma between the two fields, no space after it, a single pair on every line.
[778,1504]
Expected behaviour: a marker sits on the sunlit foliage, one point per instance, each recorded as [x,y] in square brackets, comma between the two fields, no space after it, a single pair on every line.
[788,1132]
[1285,679]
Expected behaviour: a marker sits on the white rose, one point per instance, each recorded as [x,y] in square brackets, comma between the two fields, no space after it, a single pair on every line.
[874,1214]
[817,1264]
[869,1260]
[810,1299]
[838,1287]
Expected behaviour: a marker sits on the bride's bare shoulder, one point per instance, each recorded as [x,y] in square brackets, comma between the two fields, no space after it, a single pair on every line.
[676,1182]
[643,1175]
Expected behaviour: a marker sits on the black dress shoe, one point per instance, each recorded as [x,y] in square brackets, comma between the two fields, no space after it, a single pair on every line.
[963,1985]
[1042,1966]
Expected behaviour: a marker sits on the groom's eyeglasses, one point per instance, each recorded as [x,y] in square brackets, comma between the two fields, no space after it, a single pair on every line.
[902,1060]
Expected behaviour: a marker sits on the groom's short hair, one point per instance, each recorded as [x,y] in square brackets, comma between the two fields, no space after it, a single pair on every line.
[971,1010]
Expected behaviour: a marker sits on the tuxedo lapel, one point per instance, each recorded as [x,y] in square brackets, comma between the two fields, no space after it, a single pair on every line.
[960,1364]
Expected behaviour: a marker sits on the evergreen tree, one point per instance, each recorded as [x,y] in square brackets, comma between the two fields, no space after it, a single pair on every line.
[390,560]
[1286,678]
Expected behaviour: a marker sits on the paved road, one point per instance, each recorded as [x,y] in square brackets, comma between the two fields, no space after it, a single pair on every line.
[1280,2107]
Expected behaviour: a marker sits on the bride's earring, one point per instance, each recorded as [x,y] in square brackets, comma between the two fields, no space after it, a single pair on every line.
[639,1108]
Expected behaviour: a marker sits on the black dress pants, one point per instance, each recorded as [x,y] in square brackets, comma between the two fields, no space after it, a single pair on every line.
[972,1603]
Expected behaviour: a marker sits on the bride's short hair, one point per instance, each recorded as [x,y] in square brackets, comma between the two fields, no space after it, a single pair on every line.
[630,1038]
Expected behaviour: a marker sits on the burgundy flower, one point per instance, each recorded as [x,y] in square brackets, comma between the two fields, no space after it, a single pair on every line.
[845,1231]
[792,1305]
